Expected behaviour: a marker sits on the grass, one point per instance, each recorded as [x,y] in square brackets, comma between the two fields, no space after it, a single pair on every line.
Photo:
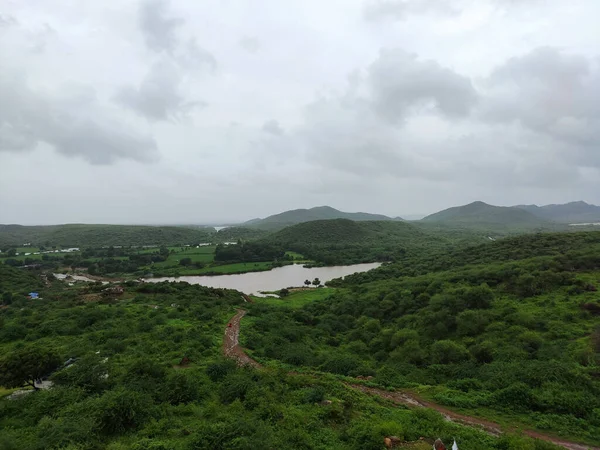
[4,391]
[297,299]
[202,254]
[294,255]
[174,271]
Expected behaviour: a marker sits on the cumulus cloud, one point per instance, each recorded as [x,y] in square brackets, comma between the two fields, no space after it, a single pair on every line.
[272,127]
[250,43]
[158,96]
[71,120]
[400,81]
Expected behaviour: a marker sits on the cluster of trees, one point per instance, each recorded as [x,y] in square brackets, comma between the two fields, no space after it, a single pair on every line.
[520,336]
[127,390]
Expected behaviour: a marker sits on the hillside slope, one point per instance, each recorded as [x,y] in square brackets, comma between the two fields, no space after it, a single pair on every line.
[479,214]
[278,221]
[79,235]
[573,212]
[343,241]
[344,231]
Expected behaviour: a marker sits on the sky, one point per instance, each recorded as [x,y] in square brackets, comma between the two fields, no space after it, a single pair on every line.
[180,111]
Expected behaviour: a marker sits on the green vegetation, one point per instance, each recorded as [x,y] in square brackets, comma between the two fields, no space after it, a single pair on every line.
[144,372]
[296,299]
[481,216]
[343,241]
[574,212]
[508,330]
[505,329]
[76,235]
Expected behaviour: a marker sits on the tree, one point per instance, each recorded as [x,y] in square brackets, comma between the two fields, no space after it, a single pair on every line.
[284,292]
[185,261]
[307,283]
[316,282]
[25,365]
[7,298]
[11,252]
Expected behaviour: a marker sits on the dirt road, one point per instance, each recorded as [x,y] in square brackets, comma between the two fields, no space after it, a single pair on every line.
[232,349]
[231,346]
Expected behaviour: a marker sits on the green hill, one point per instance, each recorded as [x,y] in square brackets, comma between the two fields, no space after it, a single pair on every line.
[482,215]
[80,235]
[573,212]
[344,231]
[296,216]
[344,241]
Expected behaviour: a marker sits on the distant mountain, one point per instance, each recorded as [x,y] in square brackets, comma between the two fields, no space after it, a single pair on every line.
[296,216]
[573,212]
[480,214]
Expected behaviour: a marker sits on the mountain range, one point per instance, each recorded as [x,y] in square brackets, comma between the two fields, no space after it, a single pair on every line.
[295,216]
[574,212]
[476,214]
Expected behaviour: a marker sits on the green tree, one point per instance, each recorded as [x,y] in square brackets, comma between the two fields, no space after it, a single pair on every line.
[7,298]
[25,365]
[316,282]
[307,283]
[185,261]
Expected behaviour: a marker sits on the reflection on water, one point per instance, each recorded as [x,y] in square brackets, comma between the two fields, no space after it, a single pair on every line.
[281,277]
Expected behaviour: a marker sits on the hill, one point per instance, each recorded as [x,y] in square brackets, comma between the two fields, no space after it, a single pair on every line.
[573,212]
[278,221]
[344,241]
[344,231]
[80,235]
[482,215]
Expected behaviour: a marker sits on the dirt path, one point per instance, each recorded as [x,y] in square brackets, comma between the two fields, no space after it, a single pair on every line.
[231,346]
[232,349]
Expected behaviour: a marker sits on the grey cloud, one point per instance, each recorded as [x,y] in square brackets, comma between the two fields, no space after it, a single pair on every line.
[376,10]
[272,127]
[159,30]
[250,43]
[192,56]
[7,20]
[552,93]
[364,131]
[158,96]
[399,81]
[71,121]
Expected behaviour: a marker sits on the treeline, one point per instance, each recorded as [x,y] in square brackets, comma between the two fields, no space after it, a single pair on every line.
[79,235]
[568,248]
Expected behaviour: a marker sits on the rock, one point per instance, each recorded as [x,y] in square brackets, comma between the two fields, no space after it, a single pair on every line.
[439,445]
[392,441]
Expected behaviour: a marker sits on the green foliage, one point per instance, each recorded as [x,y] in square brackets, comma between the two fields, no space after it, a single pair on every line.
[78,235]
[26,364]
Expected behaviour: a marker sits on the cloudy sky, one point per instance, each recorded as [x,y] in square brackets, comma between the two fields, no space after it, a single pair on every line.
[181,111]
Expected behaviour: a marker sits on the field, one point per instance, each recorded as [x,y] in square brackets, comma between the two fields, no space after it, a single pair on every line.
[297,299]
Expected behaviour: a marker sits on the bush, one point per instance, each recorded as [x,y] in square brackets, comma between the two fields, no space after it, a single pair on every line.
[123,410]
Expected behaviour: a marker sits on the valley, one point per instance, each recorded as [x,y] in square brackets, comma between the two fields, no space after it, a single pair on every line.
[478,314]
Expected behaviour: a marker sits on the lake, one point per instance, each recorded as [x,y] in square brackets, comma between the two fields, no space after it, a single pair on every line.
[272,280]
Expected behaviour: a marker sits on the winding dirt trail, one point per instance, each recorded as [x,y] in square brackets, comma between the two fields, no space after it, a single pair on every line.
[232,349]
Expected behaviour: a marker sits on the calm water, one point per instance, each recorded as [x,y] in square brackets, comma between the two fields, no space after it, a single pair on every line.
[281,277]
